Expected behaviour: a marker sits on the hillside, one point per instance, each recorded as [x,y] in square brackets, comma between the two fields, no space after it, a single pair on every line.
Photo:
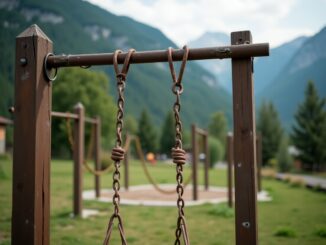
[220,68]
[287,89]
[266,68]
[282,76]
[76,26]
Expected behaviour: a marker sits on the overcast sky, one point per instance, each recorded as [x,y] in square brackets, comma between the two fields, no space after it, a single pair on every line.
[274,21]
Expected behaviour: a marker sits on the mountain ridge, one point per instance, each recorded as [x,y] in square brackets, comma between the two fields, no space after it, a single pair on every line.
[221,68]
[148,85]
[266,68]
[287,89]
[281,77]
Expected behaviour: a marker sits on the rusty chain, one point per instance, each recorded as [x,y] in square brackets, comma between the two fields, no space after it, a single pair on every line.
[118,151]
[178,154]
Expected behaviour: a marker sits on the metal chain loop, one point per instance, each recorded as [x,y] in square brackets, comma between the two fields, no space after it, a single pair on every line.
[118,152]
[178,154]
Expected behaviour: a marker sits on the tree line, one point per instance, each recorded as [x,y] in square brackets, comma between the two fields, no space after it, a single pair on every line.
[307,135]
[92,89]
[163,141]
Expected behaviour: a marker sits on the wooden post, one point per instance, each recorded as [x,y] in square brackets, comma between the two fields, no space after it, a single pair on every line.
[244,145]
[259,160]
[97,155]
[32,140]
[230,168]
[79,134]
[206,149]
[194,162]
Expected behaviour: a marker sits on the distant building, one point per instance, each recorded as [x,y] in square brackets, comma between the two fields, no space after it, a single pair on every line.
[3,123]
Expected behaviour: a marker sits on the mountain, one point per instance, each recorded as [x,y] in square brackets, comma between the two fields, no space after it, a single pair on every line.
[220,68]
[281,77]
[266,68]
[211,39]
[286,91]
[77,26]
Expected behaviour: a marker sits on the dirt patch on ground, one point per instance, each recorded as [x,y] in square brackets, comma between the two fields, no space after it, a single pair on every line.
[149,196]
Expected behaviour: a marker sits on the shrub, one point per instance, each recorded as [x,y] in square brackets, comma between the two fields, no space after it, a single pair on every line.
[321,232]
[285,232]
[216,150]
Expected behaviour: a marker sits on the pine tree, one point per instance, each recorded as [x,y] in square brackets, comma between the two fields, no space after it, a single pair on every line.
[269,126]
[130,125]
[309,131]
[218,126]
[146,133]
[167,135]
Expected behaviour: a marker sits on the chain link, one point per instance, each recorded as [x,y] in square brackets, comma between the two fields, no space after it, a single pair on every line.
[118,152]
[178,154]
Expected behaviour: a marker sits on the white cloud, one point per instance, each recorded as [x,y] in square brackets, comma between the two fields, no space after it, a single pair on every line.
[185,20]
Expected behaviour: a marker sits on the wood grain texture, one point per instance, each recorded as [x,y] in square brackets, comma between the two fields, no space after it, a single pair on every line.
[194,162]
[98,127]
[230,161]
[259,160]
[79,141]
[32,141]
[244,145]
[207,159]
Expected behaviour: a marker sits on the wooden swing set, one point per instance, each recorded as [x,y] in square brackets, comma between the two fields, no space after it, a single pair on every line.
[75,130]
[32,135]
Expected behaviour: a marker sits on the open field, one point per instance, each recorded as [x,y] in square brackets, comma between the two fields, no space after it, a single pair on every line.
[298,215]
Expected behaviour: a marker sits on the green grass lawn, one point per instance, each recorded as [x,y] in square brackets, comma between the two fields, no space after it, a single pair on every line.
[295,216]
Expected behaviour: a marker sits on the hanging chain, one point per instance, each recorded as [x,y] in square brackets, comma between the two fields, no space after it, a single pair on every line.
[118,152]
[178,154]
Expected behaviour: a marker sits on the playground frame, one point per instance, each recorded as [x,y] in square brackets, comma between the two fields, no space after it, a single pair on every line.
[32,134]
